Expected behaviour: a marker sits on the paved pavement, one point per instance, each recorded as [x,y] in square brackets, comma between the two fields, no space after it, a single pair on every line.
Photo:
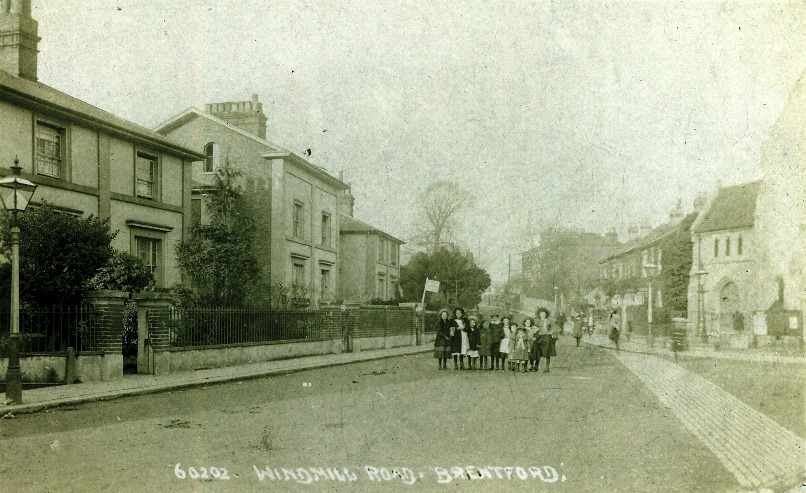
[639,344]
[42,398]
[754,448]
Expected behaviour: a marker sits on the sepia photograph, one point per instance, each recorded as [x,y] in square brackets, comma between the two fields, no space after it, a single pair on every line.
[403,245]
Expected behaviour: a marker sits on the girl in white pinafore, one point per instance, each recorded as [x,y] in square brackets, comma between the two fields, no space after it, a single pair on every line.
[504,349]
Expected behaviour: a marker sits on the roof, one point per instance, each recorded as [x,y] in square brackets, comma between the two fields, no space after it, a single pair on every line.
[653,237]
[733,207]
[273,151]
[348,224]
[41,97]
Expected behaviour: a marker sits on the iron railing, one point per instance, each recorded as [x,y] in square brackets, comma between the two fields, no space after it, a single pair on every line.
[225,326]
[52,330]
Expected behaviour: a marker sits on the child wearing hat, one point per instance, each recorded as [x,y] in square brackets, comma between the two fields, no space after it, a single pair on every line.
[518,353]
[473,339]
[504,347]
[459,340]
[496,333]
[442,343]
[485,340]
[546,334]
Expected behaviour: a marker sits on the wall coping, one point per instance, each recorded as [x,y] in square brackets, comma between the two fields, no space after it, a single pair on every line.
[107,293]
[154,297]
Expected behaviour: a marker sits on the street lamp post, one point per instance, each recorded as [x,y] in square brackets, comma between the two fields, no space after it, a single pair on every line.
[701,273]
[16,193]
[555,297]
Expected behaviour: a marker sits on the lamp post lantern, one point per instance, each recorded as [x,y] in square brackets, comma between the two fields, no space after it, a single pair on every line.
[16,193]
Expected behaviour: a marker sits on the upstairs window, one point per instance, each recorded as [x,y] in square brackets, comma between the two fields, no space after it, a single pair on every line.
[727,247]
[211,157]
[739,246]
[49,150]
[381,249]
[146,175]
[297,216]
[716,247]
[394,253]
[326,228]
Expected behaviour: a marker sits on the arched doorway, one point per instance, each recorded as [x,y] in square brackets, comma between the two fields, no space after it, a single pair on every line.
[730,316]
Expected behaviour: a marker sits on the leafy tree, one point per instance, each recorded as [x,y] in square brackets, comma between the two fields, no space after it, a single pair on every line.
[677,258]
[123,272]
[59,253]
[440,204]
[218,258]
[458,274]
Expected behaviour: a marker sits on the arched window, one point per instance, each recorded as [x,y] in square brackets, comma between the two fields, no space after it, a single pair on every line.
[727,247]
[211,157]
[716,247]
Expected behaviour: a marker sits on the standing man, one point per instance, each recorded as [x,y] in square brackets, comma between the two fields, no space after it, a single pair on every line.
[496,334]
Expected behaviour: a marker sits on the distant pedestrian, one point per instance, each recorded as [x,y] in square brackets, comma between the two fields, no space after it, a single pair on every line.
[547,333]
[485,341]
[442,343]
[473,339]
[504,345]
[577,331]
[459,341]
[496,334]
[561,319]
[589,323]
[615,330]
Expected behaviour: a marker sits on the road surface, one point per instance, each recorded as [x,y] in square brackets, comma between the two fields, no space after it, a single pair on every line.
[397,424]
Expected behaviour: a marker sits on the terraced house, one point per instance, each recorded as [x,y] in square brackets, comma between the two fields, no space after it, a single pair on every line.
[88,161]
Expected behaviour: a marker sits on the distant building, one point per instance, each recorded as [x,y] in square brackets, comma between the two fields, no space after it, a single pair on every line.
[295,203]
[88,161]
[370,262]
[724,260]
[631,275]
[566,259]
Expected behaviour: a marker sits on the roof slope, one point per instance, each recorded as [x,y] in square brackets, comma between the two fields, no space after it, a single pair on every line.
[348,224]
[273,150]
[733,207]
[37,94]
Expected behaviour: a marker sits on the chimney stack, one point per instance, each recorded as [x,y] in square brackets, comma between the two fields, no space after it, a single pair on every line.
[19,39]
[646,227]
[246,115]
[346,199]
[677,212]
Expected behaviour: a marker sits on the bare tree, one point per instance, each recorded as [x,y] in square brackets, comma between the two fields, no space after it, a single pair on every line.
[440,204]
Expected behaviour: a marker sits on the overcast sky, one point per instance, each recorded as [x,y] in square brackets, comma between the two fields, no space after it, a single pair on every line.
[588,115]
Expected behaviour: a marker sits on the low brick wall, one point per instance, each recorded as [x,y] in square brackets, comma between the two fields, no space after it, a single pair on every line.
[369,343]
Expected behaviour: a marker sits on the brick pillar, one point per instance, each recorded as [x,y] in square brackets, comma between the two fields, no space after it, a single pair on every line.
[153,333]
[108,308]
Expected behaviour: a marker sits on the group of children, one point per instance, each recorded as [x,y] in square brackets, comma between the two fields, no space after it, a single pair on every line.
[503,342]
